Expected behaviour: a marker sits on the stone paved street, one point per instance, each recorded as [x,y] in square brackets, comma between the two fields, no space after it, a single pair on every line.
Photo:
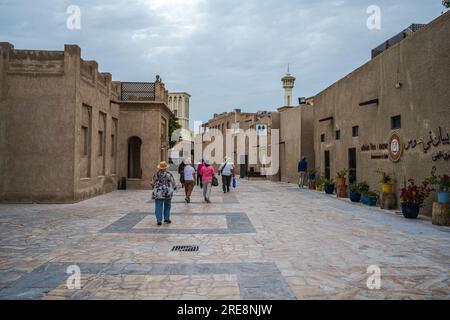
[264,241]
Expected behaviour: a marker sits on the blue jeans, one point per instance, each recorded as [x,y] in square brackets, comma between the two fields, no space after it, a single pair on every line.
[163,206]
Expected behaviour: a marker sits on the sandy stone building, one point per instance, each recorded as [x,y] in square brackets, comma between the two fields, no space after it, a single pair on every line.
[144,131]
[238,121]
[392,113]
[67,132]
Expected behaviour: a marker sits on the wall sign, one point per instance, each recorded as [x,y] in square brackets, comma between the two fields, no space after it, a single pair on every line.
[381,155]
[434,140]
[445,155]
[395,147]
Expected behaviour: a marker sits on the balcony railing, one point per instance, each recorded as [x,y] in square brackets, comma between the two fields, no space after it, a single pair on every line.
[138,91]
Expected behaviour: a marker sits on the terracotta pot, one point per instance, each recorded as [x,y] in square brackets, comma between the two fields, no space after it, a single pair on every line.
[341,182]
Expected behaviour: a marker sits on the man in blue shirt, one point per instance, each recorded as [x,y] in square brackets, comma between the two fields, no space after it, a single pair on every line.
[302,168]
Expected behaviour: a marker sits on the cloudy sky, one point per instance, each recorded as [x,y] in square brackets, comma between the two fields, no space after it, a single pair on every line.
[227,53]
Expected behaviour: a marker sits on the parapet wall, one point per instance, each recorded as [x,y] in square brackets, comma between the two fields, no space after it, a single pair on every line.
[37,63]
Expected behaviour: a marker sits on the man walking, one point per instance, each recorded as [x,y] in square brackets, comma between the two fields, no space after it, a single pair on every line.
[189,180]
[227,172]
[302,169]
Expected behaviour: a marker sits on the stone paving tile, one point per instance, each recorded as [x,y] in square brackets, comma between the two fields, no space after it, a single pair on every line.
[236,222]
[284,243]
[106,281]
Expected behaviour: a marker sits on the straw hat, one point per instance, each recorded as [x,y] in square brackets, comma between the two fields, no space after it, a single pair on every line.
[163,166]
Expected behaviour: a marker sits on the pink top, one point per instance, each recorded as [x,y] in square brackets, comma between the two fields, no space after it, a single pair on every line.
[200,166]
[207,173]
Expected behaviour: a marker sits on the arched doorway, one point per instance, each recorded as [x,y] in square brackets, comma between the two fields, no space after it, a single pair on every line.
[134,158]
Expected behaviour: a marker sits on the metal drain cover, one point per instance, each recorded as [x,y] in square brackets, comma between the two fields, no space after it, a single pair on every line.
[185,248]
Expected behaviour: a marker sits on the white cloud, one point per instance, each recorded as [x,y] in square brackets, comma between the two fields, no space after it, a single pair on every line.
[227,53]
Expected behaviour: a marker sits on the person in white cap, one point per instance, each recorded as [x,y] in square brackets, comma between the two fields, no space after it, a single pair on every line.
[189,179]
[227,172]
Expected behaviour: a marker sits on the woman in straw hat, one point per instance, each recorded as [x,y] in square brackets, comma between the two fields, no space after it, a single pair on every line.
[164,185]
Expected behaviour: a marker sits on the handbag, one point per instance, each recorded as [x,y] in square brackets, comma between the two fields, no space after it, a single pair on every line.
[234,183]
[215,182]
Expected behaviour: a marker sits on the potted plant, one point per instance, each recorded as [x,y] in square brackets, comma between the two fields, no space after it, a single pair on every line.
[387,180]
[413,197]
[443,186]
[319,184]
[370,198]
[357,189]
[355,195]
[329,186]
[312,178]
[340,176]
[312,174]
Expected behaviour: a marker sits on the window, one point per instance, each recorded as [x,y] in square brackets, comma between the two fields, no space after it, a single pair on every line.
[322,137]
[396,122]
[355,131]
[84,141]
[100,143]
[113,145]
[175,112]
[338,135]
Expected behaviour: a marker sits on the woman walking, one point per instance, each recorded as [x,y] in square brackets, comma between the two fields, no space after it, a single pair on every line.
[207,173]
[164,186]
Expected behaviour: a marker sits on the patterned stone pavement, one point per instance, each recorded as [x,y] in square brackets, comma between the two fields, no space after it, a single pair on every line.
[263,241]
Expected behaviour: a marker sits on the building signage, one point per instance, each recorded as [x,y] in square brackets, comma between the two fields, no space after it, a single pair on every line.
[433,141]
[445,155]
[395,147]
[376,147]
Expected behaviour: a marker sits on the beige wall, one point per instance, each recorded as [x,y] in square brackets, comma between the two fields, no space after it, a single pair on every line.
[420,63]
[96,92]
[37,124]
[296,140]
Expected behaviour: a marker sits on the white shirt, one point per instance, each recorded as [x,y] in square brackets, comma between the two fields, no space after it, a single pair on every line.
[226,168]
[189,173]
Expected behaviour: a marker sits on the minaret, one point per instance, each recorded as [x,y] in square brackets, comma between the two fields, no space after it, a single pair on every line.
[288,84]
